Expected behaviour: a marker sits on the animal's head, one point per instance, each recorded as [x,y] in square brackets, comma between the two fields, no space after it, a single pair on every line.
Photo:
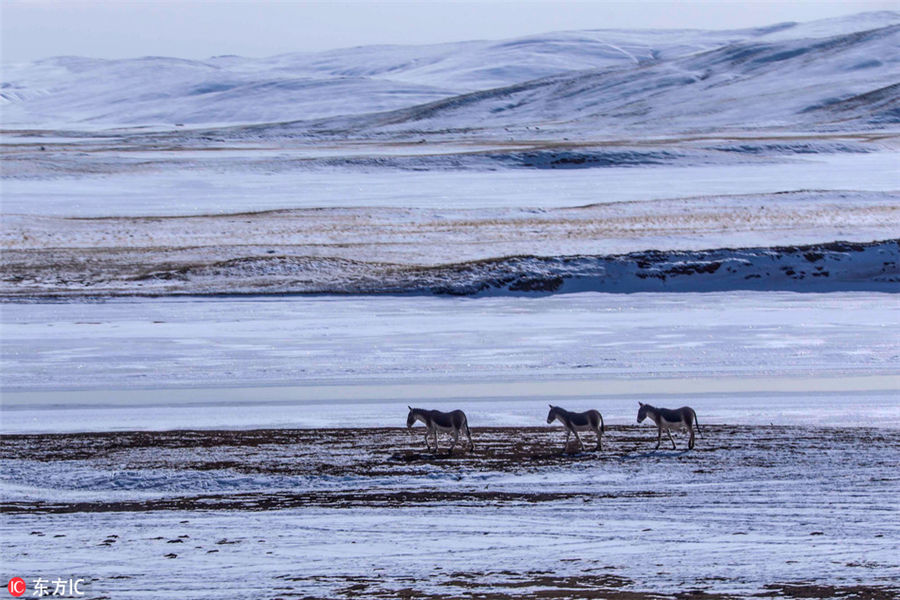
[552,414]
[411,417]
[642,411]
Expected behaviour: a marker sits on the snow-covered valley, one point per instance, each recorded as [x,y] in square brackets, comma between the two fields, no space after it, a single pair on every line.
[542,166]
[223,281]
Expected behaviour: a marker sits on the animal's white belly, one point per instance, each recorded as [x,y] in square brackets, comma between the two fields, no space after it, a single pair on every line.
[672,424]
[582,428]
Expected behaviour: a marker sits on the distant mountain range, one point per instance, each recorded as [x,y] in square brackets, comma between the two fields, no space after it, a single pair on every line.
[831,75]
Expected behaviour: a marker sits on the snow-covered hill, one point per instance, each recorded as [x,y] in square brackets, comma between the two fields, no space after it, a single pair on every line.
[291,174]
[847,81]
[834,74]
[831,267]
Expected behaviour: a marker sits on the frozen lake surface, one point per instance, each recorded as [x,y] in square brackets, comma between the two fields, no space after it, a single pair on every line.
[357,361]
[293,340]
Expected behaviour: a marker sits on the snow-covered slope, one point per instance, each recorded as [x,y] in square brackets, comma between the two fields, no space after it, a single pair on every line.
[835,73]
[834,83]
[232,89]
[69,91]
[307,131]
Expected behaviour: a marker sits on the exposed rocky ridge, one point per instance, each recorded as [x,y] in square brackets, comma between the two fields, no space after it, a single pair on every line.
[836,266]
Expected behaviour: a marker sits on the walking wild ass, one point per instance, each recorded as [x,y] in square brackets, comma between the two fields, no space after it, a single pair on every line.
[669,419]
[449,422]
[590,420]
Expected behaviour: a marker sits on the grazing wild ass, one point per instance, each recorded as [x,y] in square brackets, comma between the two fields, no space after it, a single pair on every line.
[590,420]
[435,420]
[668,419]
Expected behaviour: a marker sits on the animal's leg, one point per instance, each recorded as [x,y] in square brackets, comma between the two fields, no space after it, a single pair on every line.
[455,439]
[599,440]
[427,443]
[566,447]
[578,437]
[658,437]
[671,439]
[469,435]
[691,440]
[436,449]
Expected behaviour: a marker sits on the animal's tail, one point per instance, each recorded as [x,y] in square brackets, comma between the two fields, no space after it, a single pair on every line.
[696,422]
[469,435]
[602,427]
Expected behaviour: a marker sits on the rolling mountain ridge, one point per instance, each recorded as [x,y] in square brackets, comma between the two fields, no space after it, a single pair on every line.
[829,75]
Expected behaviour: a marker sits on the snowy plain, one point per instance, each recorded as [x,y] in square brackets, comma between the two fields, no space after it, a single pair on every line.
[314,489]
[179,192]
[209,440]
[751,513]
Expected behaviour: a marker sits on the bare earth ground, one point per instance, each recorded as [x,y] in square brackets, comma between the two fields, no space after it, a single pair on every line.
[792,512]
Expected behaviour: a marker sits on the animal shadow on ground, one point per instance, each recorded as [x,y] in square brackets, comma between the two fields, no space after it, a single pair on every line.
[508,449]
[656,454]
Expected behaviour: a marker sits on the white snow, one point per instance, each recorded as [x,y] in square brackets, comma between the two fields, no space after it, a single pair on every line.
[198,191]
[588,142]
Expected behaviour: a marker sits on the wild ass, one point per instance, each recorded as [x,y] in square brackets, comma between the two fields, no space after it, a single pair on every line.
[590,420]
[668,419]
[435,420]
